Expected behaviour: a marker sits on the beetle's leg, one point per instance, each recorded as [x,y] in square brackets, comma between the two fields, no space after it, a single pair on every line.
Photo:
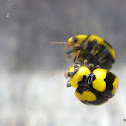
[68,56]
[92,47]
[85,62]
[71,51]
[75,60]
[90,66]
[105,52]
[95,49]
[68,83]
[85,42]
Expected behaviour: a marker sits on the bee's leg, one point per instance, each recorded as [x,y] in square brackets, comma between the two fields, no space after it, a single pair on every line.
[105,52]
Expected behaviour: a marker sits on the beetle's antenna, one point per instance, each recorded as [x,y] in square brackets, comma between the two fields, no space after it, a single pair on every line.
[58,42]
[58,73]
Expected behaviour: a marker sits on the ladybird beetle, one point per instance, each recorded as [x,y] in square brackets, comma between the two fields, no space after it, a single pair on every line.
[94,85]
[92,48]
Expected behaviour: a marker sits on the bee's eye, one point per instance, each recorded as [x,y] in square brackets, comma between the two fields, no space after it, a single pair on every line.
[75,39]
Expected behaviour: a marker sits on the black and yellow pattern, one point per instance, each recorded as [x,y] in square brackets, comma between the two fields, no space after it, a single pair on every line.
[92,48]
[93,85]
[93,82]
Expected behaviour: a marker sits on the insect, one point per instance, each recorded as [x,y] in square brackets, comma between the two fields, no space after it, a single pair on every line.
[92,48]
[93,85]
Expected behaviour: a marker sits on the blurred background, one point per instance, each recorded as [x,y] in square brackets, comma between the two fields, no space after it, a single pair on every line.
[29,95]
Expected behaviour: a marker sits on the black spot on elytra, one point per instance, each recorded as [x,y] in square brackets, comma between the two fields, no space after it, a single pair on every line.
[110,77]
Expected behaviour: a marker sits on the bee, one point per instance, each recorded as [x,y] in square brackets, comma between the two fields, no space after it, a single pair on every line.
[92,48]
[94,85]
